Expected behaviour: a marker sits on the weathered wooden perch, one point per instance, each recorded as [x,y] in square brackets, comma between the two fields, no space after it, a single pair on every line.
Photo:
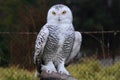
[55,76]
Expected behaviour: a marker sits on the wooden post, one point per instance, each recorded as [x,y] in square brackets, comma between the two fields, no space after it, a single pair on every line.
[55,76]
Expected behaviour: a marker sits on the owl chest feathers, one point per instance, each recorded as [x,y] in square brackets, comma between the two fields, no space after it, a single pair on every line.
[60,39]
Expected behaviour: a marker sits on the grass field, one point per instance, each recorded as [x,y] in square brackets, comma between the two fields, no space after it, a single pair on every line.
[14,73]
[87,70]
[91,70]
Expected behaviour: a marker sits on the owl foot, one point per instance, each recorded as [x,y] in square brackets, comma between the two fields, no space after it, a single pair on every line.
[62,70]
[49,68]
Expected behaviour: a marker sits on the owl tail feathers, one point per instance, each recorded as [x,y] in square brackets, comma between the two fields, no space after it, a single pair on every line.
[37,74]
[78,56]
[38,71]
[75,59]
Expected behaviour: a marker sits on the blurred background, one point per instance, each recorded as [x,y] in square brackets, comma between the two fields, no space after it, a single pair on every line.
[21,20]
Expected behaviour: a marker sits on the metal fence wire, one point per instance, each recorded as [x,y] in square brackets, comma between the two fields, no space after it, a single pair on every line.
[20,46]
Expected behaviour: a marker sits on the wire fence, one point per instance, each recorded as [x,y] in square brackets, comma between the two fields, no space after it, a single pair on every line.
[103,44]
[83,32]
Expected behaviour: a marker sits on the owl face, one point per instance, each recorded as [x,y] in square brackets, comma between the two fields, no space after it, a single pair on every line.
[59,14]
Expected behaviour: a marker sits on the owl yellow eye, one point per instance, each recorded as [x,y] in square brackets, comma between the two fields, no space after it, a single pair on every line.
[64,12]
[54,13]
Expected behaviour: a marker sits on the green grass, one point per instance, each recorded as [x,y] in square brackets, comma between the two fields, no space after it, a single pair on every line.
[91,70]
[86,70]
[14,73]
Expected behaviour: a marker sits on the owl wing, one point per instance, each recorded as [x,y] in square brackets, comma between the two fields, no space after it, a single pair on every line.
[76,48]
[39,45]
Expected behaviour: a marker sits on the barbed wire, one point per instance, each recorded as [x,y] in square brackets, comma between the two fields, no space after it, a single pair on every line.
[83,32]
[19,33]
[96,32]
[90,33]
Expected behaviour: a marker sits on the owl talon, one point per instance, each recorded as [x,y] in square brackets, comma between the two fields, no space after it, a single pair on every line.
[49,68]
[62,69]
[48,71]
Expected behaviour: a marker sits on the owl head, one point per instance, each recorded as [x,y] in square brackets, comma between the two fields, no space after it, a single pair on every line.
[59,14]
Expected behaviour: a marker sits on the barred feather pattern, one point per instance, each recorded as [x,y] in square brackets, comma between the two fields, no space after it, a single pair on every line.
[39,45]
[54,51]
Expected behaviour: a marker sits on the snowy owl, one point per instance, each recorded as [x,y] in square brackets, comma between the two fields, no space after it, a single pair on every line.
[57,42]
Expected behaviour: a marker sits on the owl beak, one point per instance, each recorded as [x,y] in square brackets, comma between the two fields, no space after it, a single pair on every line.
[59,19]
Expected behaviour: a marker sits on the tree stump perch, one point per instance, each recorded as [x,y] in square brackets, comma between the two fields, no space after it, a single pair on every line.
[55,76]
